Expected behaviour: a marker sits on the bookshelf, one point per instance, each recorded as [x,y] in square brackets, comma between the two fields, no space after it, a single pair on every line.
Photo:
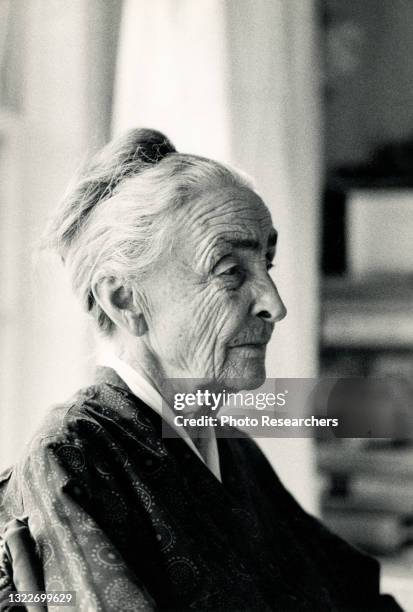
[367,331]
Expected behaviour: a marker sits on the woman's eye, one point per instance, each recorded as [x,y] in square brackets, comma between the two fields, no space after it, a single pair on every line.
[232,271]
[232,276]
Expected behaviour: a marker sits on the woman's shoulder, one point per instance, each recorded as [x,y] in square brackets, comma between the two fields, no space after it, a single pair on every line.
[75,442]
[84,425]
[91,412]
[75,419]
[94,430]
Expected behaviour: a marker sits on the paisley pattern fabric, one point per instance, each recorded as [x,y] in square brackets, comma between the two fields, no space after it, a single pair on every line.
[132,521]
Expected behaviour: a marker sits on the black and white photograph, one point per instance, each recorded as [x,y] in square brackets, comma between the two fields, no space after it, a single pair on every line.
[206,305]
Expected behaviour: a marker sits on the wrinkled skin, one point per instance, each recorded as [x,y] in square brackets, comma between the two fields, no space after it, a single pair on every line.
[211,305]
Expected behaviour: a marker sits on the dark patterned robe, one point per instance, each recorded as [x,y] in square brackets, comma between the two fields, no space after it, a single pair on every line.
[132,521]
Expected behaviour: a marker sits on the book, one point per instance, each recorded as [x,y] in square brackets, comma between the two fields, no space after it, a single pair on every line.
[375,532]
[394,462]
[371,312]
[364,492]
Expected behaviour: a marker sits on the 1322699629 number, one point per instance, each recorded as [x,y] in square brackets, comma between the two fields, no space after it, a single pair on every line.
[33,598]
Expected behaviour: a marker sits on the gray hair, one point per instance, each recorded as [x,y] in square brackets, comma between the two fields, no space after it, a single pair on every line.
[115,221]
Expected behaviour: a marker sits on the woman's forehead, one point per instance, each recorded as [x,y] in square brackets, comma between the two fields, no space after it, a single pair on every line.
[222,220]
[233,206]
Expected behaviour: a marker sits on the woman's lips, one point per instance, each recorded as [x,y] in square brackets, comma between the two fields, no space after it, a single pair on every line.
[257,343]
[250,348]
[259,339]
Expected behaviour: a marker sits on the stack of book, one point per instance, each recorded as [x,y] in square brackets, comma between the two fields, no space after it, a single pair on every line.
[368,495]
[367,333]
[373,312]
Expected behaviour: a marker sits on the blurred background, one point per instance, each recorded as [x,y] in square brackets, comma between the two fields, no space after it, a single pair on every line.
[314,99]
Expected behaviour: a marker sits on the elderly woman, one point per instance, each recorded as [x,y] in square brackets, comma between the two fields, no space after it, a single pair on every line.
[170,254]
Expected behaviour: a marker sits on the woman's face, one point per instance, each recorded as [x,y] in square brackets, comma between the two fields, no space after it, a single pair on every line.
[211,306]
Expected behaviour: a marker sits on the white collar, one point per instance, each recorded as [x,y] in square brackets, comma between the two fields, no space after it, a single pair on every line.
[142,388]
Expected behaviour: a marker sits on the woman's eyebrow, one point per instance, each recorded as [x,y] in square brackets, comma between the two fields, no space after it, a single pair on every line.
[271,244]
[227,245]
[252,244]
[272,239]
[244,243]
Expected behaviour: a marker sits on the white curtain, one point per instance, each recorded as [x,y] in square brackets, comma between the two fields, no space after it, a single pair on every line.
[63,53]
[237,80]
[171,73]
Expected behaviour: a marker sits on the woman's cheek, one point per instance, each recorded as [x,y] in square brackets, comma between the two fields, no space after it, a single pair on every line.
[203,339]
[232,318]
[237,308]
[196,331]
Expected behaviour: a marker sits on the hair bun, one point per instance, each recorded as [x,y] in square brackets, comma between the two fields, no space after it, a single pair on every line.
[128,155]
[150,146]
[131,153]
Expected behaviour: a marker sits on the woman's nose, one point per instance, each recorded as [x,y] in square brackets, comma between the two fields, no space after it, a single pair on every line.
[268,304]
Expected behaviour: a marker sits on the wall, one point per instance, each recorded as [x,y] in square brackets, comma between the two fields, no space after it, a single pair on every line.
[370,86]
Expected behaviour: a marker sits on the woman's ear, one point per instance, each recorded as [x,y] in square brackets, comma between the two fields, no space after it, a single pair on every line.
[116,300]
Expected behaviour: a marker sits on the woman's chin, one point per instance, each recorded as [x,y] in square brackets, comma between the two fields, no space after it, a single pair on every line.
[249,375]
[254,379]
